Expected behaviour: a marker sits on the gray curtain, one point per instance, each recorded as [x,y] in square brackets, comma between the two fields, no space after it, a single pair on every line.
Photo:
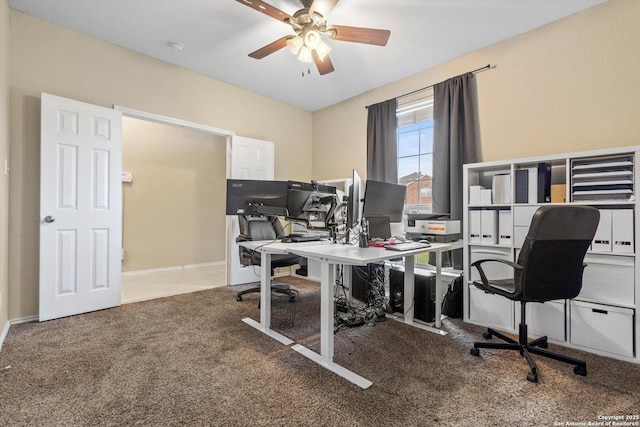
[454,144]
[382,154]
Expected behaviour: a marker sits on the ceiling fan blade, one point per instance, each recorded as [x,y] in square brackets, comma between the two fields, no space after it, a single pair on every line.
[323,7]
[361,35]
[267,9]
[324,66]
[270,48]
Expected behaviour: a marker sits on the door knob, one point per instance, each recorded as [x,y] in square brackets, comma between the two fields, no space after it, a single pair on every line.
[49,218]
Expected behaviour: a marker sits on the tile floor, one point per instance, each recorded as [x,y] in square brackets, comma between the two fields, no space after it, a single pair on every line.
[158,284]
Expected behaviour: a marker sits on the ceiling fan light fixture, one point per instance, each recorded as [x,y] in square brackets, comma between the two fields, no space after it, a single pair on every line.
[312,38]
[305,54]
[294,44]
[322,50]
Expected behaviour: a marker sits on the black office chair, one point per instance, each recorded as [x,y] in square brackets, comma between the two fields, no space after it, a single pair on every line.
[549,267]
[264,228]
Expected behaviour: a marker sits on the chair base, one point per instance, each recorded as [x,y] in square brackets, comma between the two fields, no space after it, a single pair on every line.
[526,348]
[275,287]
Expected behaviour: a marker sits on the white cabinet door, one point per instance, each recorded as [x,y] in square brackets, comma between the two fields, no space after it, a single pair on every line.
[80,207]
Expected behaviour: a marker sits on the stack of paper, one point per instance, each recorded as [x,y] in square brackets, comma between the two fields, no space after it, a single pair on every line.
[501,188]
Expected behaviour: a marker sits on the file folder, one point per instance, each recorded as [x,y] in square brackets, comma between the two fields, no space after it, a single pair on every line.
[622,230]
[505,227]
[602,238]
[475,226]
[489,226]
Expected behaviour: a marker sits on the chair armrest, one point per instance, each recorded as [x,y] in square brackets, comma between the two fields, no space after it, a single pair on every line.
[243,238]
[483,276]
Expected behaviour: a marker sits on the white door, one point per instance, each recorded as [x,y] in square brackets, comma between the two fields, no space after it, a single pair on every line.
[250,159]
[80,207]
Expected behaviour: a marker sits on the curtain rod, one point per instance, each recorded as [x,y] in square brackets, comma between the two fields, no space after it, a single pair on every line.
[478,70]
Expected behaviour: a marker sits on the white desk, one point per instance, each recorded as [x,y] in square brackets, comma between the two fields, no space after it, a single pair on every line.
[330,255]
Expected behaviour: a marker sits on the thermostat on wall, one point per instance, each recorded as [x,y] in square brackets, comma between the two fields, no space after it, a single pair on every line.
[127,177]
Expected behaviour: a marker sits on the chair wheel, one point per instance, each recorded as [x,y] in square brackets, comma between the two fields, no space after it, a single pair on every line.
[487,335]
[580,370]
[292,299]
[475,351]
[543,345]
[532,377]
[239,298]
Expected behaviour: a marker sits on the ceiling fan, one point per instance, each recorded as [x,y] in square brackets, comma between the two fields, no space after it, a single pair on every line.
[309,25]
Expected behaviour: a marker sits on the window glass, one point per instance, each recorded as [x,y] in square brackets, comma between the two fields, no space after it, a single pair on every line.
[415,153]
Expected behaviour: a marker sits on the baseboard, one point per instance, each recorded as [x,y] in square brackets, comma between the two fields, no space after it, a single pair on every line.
[27,319]
[4,333]
[173,268]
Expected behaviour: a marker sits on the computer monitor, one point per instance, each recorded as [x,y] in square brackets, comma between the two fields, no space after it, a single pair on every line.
[256,197]
[384,199]
[379,227]
[353,207]
[311,203]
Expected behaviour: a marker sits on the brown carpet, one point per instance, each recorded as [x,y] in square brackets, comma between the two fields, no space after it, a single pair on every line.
[189,360]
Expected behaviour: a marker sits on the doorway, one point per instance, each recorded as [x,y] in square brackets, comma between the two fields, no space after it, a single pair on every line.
[174,226]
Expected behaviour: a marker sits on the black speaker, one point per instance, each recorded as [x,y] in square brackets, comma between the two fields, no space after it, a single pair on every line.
[424,294]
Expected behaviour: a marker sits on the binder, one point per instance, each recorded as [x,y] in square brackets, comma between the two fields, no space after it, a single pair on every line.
[602,238]
[475,226]
[505,227]
[489,226]
[522,186]
[544,183]
[622,230]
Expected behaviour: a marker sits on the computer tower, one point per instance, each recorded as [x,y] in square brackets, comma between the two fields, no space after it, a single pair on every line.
[424,294]
[361,278]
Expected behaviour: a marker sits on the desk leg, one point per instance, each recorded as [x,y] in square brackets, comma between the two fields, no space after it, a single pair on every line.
[265,302]
[438,313]
[265,290]
[327,277]
[325,358]
[409,288]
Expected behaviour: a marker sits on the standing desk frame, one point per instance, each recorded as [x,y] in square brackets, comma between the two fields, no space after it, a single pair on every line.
[330,256]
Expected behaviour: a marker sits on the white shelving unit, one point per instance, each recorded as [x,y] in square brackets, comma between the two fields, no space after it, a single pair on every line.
[603,319]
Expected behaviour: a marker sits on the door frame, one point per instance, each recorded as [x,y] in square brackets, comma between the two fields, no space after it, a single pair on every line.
[166,120]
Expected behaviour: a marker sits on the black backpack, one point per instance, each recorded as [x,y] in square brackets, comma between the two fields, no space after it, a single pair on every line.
[452,301]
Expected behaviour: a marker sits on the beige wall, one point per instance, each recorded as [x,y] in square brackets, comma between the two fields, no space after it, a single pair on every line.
[49,58]
[568,86]
[4,154]
[174,209]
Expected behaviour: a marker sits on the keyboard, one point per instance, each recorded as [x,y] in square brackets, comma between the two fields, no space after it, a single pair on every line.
[298,239]
[407,246]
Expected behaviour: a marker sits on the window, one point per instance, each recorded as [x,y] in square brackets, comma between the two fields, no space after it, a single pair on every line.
[415,152]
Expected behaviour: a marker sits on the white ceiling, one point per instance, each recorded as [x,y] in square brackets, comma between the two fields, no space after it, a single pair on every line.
[219,34]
